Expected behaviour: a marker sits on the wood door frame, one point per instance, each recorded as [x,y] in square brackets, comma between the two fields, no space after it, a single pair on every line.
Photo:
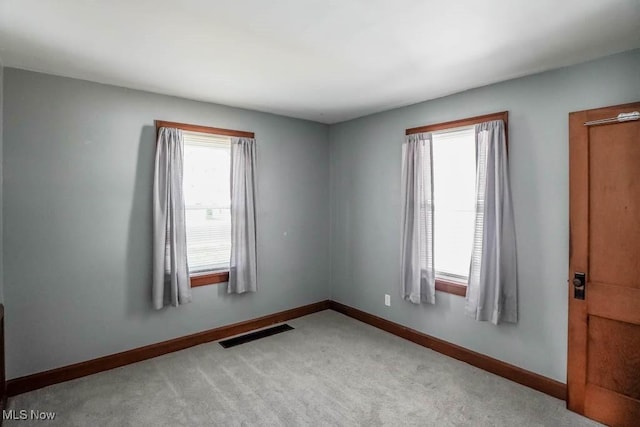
[579,247]
[578,254]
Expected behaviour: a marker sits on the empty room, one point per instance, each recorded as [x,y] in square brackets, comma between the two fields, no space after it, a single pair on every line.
[337,213]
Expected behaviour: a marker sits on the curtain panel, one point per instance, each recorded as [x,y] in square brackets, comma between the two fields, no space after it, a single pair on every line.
[417,261]
[492,288]
[244,261]
[171,284]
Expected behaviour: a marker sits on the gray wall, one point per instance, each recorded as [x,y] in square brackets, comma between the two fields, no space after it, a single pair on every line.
[77,214]
[1,166]
[1,186]
[365,194]
[78,160]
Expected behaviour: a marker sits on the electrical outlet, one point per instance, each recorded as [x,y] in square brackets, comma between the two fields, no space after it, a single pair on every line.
[387,300]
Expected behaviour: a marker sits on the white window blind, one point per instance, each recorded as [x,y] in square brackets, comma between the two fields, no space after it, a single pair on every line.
[207,175]
[454,177]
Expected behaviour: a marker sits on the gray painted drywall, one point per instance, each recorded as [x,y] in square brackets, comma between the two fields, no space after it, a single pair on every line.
[1,186]
[78,160]
[365,194]
[77,216]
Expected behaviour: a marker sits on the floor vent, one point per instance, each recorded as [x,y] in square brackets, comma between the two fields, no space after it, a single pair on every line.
[232,342]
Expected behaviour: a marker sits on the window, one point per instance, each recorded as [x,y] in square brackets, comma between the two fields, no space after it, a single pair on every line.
[454,179]
[206,182]
[207,193]
[454,187]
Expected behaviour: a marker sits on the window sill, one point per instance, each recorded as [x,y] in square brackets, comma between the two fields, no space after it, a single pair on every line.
[451,287]
[211,278]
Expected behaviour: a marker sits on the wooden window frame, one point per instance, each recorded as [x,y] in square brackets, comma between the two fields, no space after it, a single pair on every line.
[443,285]
[206,277]
[203,129]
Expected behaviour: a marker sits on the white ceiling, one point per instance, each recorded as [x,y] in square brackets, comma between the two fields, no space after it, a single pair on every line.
[324,60]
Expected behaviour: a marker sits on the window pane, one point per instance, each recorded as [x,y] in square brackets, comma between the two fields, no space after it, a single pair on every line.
[207,169]
[454,175]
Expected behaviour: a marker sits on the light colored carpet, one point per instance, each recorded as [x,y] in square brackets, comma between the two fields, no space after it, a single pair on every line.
[330,370]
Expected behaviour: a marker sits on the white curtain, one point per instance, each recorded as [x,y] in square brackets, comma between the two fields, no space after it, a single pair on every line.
[171,284]
[417,269]
[244,268]
[492,288]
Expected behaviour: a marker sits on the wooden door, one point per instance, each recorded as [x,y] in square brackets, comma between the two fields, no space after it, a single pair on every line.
[604,327]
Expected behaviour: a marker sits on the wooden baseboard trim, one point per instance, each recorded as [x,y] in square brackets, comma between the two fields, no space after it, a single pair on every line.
[521,376]
[43,379]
